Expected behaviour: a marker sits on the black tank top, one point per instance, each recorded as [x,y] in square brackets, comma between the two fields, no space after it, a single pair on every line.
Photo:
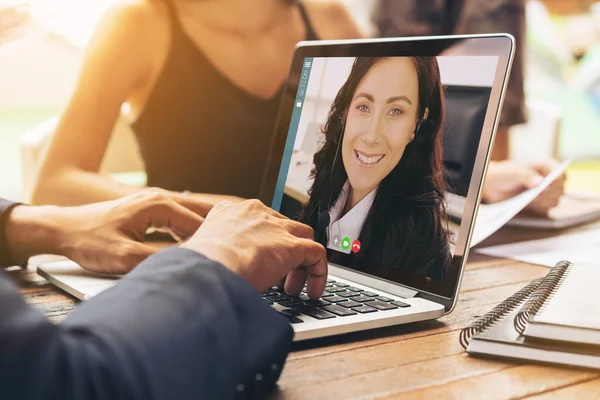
[200,132]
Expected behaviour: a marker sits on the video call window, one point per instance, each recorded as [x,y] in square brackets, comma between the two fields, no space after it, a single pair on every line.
[378,143]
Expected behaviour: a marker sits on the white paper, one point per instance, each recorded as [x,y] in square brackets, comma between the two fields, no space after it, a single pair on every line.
[492,217]
[578,247]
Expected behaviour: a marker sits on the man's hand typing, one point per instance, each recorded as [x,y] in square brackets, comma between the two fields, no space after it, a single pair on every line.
[105,237]
[262,246]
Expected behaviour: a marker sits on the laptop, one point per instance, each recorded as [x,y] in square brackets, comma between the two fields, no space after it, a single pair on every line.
[373,180]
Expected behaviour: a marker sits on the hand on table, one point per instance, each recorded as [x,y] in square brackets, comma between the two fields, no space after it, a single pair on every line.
[263,247]
[506,179]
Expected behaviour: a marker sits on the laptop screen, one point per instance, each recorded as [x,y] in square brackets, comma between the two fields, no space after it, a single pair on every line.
[373,147]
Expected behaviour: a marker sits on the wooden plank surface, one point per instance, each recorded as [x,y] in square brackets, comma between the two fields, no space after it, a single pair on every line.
[415,361]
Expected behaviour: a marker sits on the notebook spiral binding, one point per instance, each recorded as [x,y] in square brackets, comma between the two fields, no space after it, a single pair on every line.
[497,313]
[545,291]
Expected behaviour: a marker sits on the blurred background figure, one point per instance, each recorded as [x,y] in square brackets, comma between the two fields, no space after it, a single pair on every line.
[200,84]
[448,17]
[506,177]
[552,109]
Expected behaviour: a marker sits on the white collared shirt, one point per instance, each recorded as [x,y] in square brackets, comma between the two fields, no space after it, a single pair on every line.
[350,225]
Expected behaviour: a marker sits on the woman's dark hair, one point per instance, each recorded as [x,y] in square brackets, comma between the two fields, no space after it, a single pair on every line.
[406,226]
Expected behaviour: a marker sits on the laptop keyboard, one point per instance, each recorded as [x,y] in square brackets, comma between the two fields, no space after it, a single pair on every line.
[339,300]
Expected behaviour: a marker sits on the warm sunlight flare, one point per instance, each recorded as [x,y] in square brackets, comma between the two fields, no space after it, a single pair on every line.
[73,19]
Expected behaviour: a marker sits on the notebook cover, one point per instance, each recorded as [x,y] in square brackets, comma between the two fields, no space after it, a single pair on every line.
[502,340]
[575,303]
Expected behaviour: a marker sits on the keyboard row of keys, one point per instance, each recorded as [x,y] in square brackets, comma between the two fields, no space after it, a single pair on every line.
[313,312]
[339,300]
[338,310]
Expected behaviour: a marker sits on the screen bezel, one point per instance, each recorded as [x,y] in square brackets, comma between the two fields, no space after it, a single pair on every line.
[500,45]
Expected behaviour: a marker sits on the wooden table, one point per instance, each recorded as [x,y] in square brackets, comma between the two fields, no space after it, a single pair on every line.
[419,360]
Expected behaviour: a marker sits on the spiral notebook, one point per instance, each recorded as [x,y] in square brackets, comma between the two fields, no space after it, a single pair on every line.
[551,320]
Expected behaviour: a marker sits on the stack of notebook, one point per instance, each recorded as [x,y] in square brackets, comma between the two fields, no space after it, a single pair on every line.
[554,320]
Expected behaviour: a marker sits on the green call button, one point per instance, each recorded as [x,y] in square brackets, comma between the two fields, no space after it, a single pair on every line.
[345,243]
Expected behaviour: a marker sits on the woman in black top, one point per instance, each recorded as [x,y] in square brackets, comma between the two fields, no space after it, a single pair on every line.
[203,80]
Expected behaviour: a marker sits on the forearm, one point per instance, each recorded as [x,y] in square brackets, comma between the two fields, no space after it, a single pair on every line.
[33,230]
[73,186]
[78,187]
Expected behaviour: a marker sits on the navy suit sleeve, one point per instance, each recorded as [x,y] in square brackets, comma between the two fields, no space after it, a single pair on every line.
[178,327]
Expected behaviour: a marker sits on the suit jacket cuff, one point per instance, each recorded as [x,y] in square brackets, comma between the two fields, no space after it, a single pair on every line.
[5,256]
[209,325]
[268,335]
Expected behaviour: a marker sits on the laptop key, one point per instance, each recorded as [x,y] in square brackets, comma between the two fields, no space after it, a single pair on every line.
[354,289]
[330,281]
[370,294]
[290,303]
[400,304]
[298,299]
[349,303]
[313,312]
[289,311]
[384,299]
[340,284]
[337,310]
[364,309]
[273,298]
[317,303]
[291,319]
[335,299]
[347,294]
[335,289]
[362,298]
[326,294]
[380,305]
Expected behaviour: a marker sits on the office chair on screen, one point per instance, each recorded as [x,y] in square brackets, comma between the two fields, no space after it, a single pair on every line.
[465,113]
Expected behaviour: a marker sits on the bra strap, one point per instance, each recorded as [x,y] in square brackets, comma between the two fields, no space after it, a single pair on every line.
[310,30]
[173,14]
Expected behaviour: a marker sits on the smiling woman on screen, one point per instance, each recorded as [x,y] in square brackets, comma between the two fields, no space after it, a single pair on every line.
[379,173]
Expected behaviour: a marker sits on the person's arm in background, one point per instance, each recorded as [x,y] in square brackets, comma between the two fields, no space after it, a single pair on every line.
[506,179]
[118,65]
[180,326]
